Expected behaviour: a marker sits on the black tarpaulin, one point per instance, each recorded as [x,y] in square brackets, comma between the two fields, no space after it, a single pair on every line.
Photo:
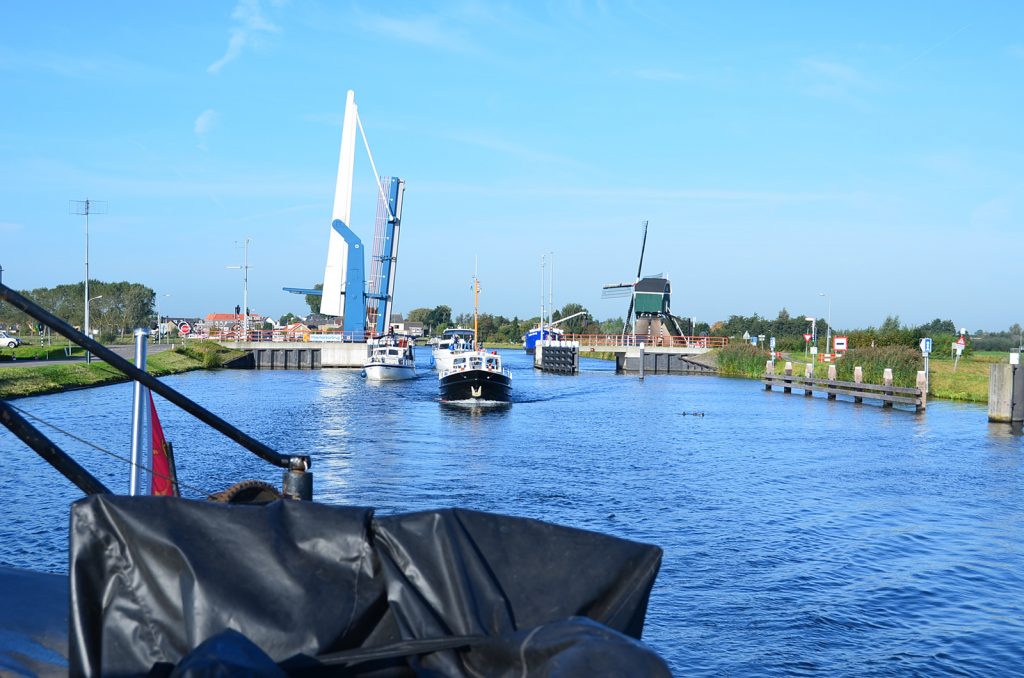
[153,578]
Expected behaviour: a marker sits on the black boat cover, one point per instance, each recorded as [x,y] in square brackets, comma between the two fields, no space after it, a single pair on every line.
[164,584]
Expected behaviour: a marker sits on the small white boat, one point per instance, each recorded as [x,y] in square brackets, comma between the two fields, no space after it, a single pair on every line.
[453,342]
[391,358]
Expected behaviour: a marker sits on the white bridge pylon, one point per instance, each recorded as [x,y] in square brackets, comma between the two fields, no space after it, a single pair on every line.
[336,272]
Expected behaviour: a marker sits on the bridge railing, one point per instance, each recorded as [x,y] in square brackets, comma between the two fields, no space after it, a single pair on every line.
[282,335]
[624,340]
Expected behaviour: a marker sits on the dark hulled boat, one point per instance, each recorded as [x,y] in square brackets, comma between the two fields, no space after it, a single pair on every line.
[476,376]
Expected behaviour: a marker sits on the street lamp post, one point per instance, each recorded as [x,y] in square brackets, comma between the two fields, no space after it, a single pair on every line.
[245,289]
[159,325]
[828,320]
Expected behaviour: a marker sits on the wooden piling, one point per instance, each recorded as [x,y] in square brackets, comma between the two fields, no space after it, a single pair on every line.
[1000,392]
[832,377]
[887,381]
[858,378]
[788,371]
[769,369]
[922,383]
[808,374]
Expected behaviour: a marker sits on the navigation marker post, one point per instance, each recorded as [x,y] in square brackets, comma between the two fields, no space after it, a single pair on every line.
[958,350]
[926,349]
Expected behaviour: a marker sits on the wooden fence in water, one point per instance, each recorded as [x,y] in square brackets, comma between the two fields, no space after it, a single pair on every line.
[888,394]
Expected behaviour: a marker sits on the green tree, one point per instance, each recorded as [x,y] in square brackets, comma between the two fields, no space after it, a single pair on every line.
[419,315]
[288,318]
[313,300]
[440,316]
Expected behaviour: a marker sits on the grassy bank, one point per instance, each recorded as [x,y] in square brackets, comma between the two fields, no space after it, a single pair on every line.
[18,382]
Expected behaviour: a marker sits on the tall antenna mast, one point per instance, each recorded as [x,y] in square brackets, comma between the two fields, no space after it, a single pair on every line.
[85,208]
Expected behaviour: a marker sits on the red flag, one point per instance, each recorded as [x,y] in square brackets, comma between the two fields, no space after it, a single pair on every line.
[161,483]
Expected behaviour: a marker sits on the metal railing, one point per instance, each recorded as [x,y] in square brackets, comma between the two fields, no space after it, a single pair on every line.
[625,340]
[281,335]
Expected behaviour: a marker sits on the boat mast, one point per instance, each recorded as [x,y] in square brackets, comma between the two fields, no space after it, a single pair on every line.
[541,323]
[476,304]
[551,291]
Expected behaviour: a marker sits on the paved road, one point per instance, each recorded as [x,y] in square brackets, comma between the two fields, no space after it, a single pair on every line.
[126,351]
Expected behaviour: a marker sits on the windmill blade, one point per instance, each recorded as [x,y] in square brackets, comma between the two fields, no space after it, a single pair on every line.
[643,247]
[629,315]
[616,292]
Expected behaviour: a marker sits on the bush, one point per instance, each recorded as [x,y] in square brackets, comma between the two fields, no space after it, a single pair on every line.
[740,359]
[904,361]
[206,352]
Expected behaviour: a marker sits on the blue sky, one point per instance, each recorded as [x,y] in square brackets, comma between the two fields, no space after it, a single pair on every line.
[872,151]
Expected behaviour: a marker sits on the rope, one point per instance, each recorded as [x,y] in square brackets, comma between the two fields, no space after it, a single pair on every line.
[104,450]
[376,177]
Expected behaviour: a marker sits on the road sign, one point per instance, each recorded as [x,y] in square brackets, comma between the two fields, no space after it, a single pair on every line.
[814,350]
[184,328]
[807,337]
[961,341]
[771,343]
[926,345]
[839,344]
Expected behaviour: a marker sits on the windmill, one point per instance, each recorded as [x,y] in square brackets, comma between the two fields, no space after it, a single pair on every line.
[649,298]
[616,290]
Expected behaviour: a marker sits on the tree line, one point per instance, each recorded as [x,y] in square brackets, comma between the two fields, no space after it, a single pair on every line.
[115,310]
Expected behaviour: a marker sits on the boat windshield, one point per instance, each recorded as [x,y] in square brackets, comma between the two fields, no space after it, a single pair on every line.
[492,364]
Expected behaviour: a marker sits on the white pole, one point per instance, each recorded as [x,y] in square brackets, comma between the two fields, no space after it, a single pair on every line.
[245,292]
[88,355]
[141,441]
[551,290]
[542,259]
[828,330]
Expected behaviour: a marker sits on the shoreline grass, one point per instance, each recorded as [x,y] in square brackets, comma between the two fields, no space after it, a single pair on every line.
[22,382]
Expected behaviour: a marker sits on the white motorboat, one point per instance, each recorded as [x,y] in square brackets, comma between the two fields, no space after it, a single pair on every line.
[391,358]
[452,342]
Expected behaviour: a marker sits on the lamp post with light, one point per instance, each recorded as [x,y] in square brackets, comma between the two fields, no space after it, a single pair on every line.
[159,324]
[245,289]
[828,320]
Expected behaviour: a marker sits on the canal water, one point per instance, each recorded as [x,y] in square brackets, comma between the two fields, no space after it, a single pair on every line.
[801,535]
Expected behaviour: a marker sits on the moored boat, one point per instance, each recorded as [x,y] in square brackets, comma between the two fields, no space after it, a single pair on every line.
[540,334]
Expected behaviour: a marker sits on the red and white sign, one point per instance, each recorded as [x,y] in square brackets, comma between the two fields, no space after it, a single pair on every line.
[184,328]
[807,337]
[839,344]
[961,341]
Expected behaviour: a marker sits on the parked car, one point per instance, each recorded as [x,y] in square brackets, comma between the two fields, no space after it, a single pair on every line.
[7,341]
